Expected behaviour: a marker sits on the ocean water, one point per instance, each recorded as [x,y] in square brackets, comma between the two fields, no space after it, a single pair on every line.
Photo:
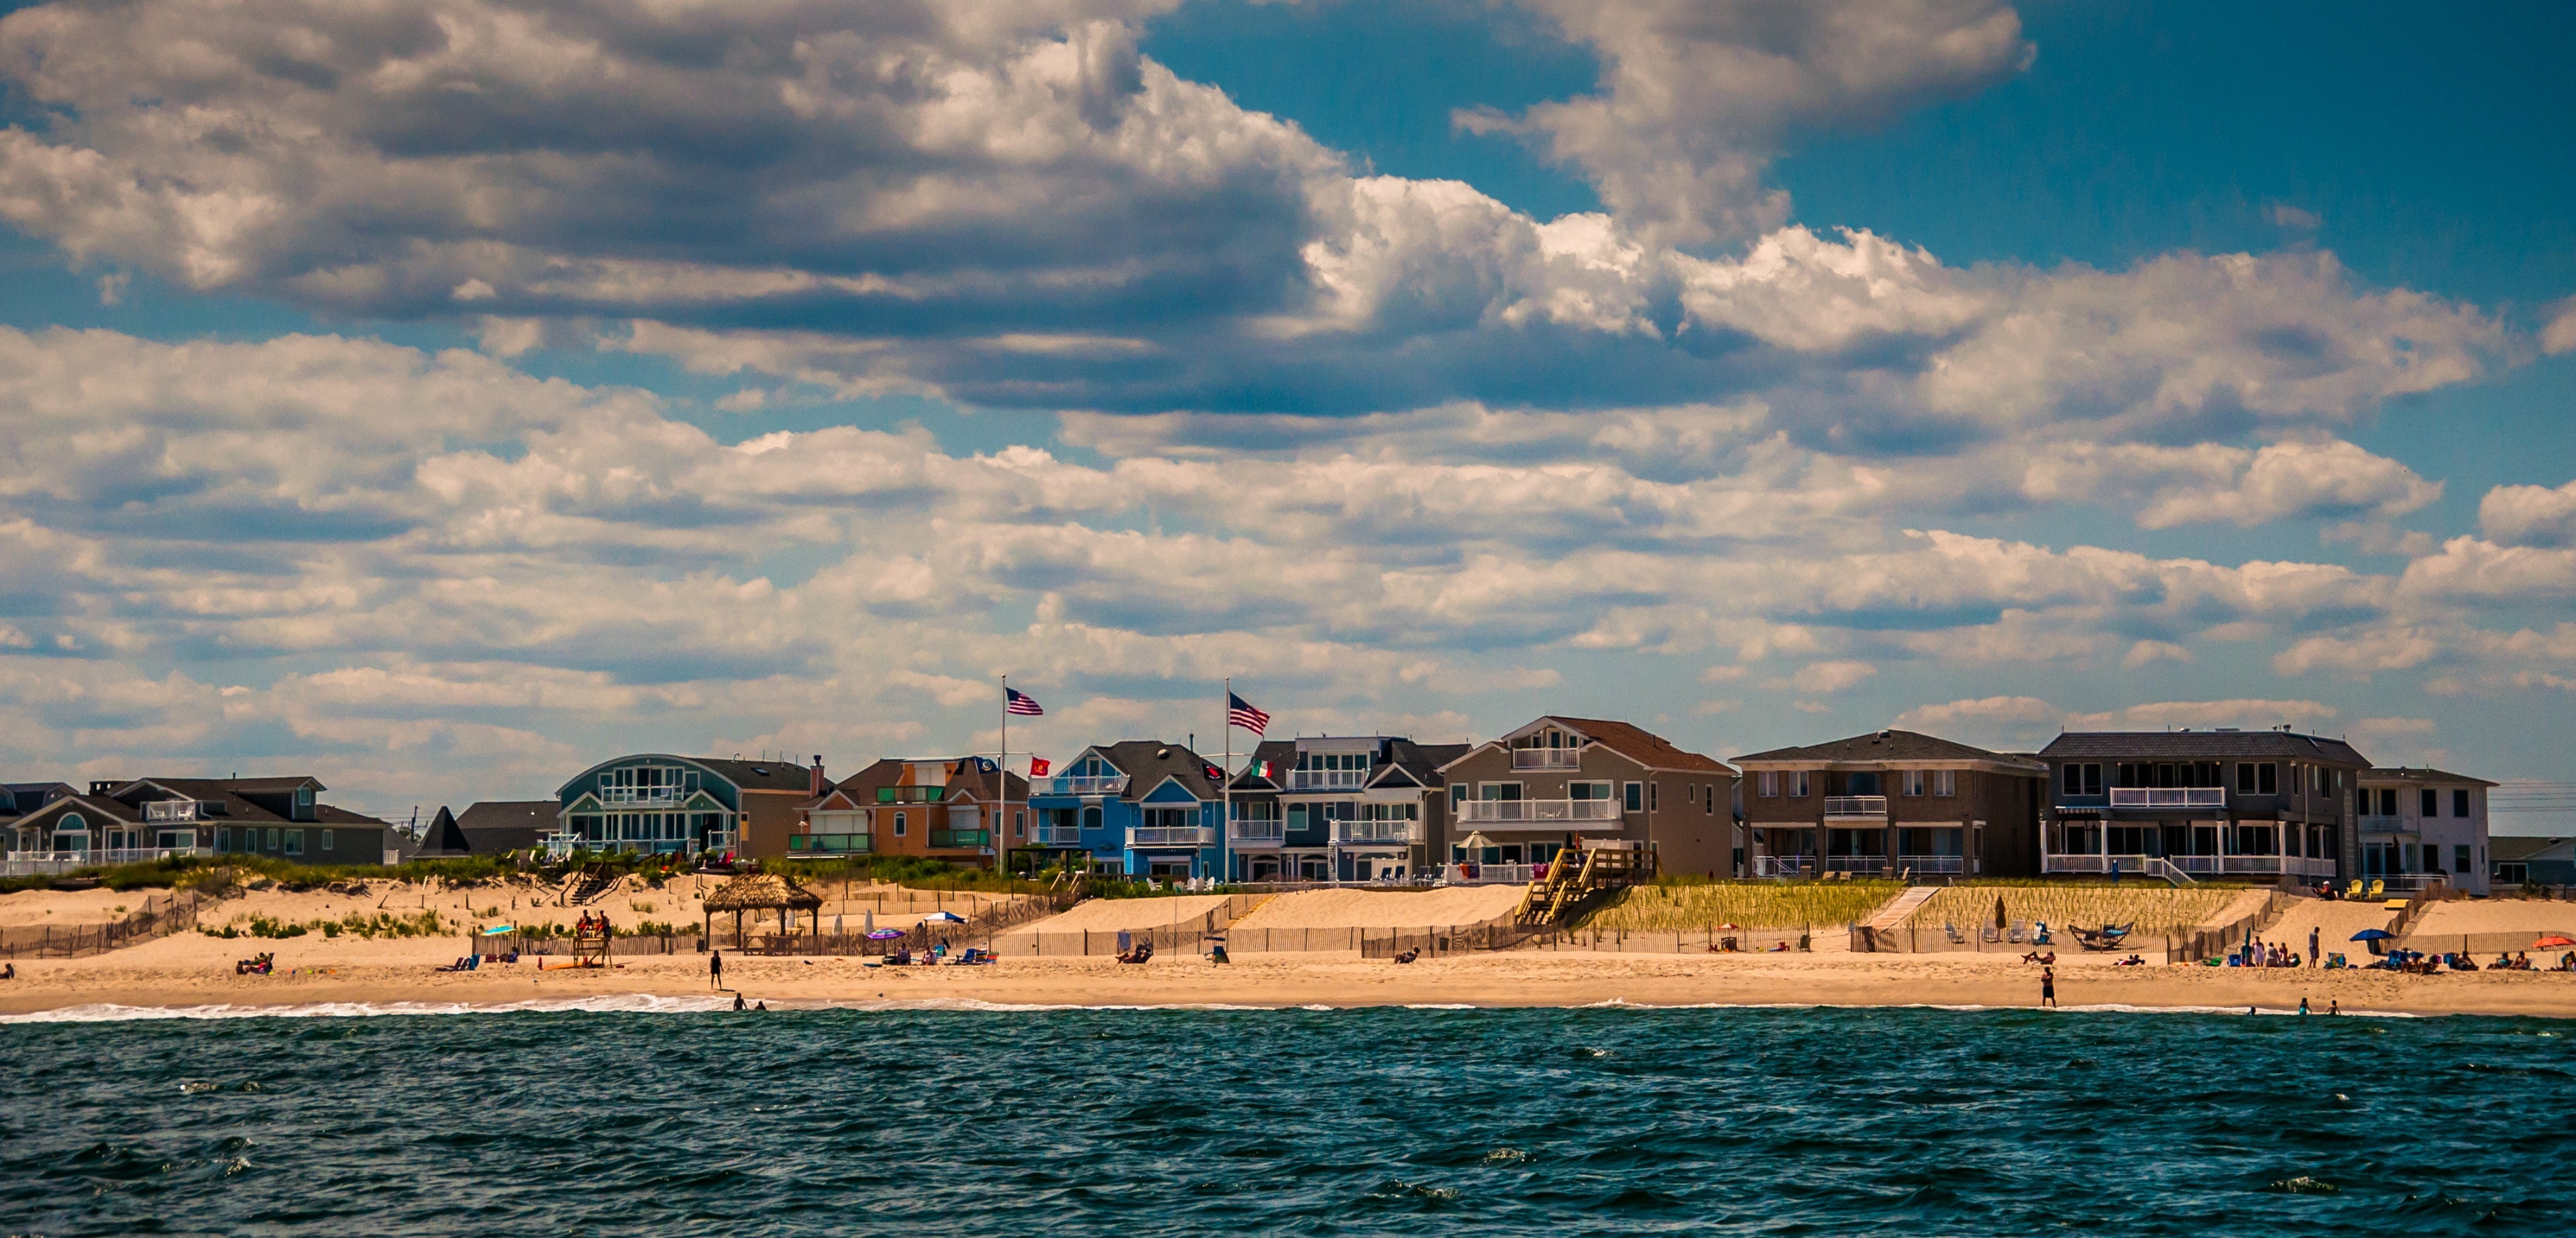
[1128,1122]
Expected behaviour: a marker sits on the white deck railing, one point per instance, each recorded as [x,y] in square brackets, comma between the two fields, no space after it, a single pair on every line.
[1922,864]
[1486,874]
[1059,836]
[1377,831]
[1262,833]
[56,863]
[1784,866]
[1863,864]
[1326,779]
[1547,758]
[1536,812]
[1856,806]
[1102,784]
[1171,836]
[2168,797]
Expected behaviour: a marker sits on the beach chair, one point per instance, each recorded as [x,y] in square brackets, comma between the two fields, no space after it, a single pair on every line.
[1957,938]
[2020,934]
[2355,890]
[2378,889]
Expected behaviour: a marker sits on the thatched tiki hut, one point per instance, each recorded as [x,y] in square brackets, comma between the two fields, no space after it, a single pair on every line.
[763,892]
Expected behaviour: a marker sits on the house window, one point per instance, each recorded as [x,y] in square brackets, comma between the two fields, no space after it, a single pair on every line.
[1637,797]
[1712,799]
[272,840]
[295,842]
[223,840]
[2083,780]
[1945,782]
[1914,782]
[1798,785]
[1457,796]
[1587,790]
[2512,874]
[1767,784]
[2460,858]
[326,840]
[2431,805]
[1019,823]
[1654,797]
[1090,817]
[2460,803]
[900,824]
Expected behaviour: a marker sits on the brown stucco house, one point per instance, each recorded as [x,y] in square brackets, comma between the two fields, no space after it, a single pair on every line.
[1559,778]
[1892,803]
[964,810]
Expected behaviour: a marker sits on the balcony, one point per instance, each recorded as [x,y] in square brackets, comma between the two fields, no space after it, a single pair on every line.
[1536,812]
[1102,784]
[175,811]
[1547,758]
[1059,836]
[1267,833]
[56,863]
[640,796]
[2168,797]
[946,839]
[1784,866]
[830,844]
[1171,836]
[1873,807]
[1326,779]
[1378,831]
[1923,864]
[2190,866]
[2385,825]
[911,795]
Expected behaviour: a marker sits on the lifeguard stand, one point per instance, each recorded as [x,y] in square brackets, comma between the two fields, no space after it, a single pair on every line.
[590,944]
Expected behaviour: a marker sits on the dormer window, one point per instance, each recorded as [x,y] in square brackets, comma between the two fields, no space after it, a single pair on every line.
[304,803]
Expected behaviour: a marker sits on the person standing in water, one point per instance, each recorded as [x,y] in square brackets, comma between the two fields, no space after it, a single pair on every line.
[2048,987]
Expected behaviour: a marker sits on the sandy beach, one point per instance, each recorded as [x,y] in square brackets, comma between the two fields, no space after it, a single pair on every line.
[190,970]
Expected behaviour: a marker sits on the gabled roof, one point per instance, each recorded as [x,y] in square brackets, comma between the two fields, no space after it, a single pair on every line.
[24,797]
[1893,747]
[959,776]
[2198,745]
[1419,763]
[1147,762]
[1282,756]
[2519,849]
[228,794]
[443,837]
[1635,743]
[90,807]
[2404,774]
[492,827]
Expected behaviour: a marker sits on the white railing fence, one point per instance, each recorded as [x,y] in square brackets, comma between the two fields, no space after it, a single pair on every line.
[1531,812]
[1547,758]
[1855,805]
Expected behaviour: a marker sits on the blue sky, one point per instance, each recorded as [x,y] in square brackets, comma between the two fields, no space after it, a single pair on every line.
[442,397]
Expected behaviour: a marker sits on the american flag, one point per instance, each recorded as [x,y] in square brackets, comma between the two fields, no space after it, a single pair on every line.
[1239,712]
[1021,703]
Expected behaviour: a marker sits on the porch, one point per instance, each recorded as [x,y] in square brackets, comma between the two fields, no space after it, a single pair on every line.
[56,863]
[2196,849]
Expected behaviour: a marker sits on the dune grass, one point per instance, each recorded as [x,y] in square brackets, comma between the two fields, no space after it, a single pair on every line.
[1697,904]
[2153,908]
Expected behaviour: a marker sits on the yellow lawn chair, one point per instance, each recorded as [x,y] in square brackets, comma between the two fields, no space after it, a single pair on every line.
[2378,888]
[2355,891]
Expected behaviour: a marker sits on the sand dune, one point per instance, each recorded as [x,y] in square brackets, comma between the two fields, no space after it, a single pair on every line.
[1439,907]
[1105,915]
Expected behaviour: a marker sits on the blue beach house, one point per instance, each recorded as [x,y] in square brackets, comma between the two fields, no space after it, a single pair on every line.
[1140,808]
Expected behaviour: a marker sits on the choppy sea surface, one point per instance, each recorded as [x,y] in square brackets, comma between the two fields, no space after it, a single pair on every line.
[666,1120]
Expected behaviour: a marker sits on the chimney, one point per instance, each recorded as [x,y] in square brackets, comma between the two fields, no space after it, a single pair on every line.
[816,784]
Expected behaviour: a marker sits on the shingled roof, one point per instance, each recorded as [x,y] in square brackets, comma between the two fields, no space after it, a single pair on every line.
[1894,747]
[1642,746]
[2199,745]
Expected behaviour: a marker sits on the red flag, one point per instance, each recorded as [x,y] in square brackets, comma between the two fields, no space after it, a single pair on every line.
[1038,767]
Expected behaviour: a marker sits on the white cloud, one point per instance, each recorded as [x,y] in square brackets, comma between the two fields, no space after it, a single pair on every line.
[2560,335]
[1830,676]
[2529,515]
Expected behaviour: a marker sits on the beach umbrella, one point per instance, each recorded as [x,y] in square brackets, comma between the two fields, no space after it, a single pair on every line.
[943,917]
[1999,912]
[1475,844]
[2554,941]
[2373,935]
[884,934]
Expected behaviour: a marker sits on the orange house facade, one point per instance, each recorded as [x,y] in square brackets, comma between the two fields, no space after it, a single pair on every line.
[963,810]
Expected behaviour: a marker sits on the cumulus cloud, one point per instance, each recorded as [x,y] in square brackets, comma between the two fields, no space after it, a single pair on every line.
[2529,515]
[2214,482]
[1694,96]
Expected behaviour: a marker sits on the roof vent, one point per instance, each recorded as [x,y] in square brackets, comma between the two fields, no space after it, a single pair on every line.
[1885,734]
[1162,752]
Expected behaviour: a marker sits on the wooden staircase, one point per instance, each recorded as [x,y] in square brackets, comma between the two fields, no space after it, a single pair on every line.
[1893,913]
[588,884]
[1566,886]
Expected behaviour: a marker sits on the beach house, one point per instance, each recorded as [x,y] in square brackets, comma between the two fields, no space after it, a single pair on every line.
[964,810]
[657,802]
[1337,808]
[1891,802]
[2425,823]
[121,821]
[1517,800]
[2221,802]
[1140,807]
[2520,859]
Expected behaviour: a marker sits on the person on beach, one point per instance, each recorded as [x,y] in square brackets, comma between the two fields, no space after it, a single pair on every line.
[2048,987]
[2334,1005]
[715,969]
[2312,945]
[737,1001]
[2303,1004]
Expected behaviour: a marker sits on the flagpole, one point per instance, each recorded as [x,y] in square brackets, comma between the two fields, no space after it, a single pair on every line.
[1227,787]
[1002,816]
